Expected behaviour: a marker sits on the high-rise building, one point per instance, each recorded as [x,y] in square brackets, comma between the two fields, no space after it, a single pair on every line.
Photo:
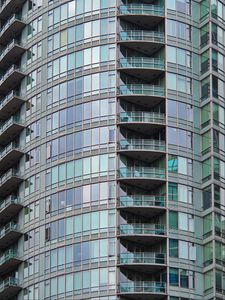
[112,161]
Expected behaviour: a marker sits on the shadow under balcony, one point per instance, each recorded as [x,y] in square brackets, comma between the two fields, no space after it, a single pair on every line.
[10,130]
[9,7]
[144,149]
[9,182]
[9,262]
[11,79]
[142,290]
[9,288]
[10,104]
[144,94]
[143,205]
[146,262]
[9,234]
[9,208]
[144,68]
[9,156]
[145,41]
[142,14]
[11,54]
[11,29]
[144,233]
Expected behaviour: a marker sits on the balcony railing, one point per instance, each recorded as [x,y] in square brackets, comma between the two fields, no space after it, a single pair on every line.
[142,9]
[142,144]
[142,89]
[142,258]
[142,63]
[142,117]
[149,287]
[9,200]
[9,72]
[7,228]
[142,229]
[10,254]
[9,47]
[142,35]
[9,122]
[9,288]
[142,172]
[8,148]
[142,201]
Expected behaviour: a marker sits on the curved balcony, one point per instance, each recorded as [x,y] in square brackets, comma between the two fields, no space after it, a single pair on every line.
[143,205]
[11,54]
[11,29]
[142,290]
[9,288]
[9,208]
[9,156]
[10,104]
[144,94]
[11,79]
[9,234]
[146,262]
[9,7]
[9,182]
[9,262]
[142,121]
[10,130]
[141,148]
[144,68]
[145,233]
[144,41]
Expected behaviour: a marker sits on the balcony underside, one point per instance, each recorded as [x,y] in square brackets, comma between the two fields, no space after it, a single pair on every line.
[10,7]
[146,47]
[12,31]
[12,56]
[10,159]
[145,100]
[144,183]
[10,107]
[11,82]
[143,268]
[143,211]
[9,212]
[9,238]
[142,73]
[141,127]
[9,266]
[10,133]
[9,292]
[142,296]
[144,155]
[10,185]
[144,20]
[144,239]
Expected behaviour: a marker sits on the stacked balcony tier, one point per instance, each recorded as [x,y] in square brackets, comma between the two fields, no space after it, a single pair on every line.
[9,288]
[9,261]
[11,29]
[9,234]
[11,54]
[10,130]
[11,79]
[10,104]
[9,182]
[9,208]
[9,156]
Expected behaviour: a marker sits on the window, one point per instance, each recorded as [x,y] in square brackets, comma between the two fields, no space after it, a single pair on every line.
[179,30]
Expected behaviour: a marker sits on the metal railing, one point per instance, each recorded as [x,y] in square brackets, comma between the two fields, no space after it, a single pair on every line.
[7,228]
[12,69]
[9,200]
[142,89]
[7,98]
[142,172]
[9,47]
[151,287]
[9,22]
[11,253]
[11,281]
[142,200]
[142,258]
[142,62]
[142,35]
[142,144]
[10,173]
[9,122]
[8,148]
[142,229]
[142,9]
[142,116]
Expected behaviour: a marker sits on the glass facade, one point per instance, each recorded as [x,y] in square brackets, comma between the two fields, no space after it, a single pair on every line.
[112,169]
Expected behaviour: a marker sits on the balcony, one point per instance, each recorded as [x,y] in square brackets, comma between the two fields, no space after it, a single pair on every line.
[11,79]
[144,149]
[9,156]
[9,262]
[10,104]
[146,262]
[142,121]
[11,54]
[143,41]
[142,290]
[145,233]
[143,205]
[9,288]
[141,14]
[9,7]
[10,130]
[9,208]
[9,234]
[144,68]
[145,94]
[9,182]
[11,29]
